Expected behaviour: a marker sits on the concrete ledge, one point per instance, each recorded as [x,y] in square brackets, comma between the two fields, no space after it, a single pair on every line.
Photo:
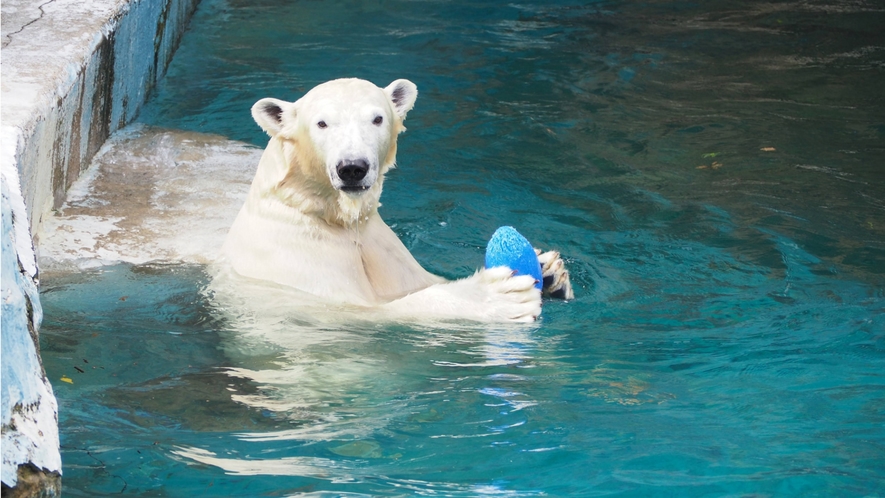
[137,202]
[73,72]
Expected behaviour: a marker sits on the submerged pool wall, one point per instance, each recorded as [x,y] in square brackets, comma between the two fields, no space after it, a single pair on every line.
[73,72]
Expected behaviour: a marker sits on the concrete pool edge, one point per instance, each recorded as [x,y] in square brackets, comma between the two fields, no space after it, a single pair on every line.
[73,73]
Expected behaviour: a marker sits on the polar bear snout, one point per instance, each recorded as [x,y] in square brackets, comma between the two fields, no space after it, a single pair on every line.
[352,172]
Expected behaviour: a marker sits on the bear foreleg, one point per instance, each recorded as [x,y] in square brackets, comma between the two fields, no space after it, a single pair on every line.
[489,295]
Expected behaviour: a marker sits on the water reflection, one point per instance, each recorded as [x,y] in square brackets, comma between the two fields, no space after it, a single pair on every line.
[288,466]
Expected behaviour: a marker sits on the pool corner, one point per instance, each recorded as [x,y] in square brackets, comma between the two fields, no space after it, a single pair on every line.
[73,73]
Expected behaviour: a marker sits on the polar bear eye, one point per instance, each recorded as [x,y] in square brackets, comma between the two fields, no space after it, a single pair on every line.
[322,124]
[378,120]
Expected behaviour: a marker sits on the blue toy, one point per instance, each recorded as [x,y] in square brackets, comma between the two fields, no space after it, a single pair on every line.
[509,248]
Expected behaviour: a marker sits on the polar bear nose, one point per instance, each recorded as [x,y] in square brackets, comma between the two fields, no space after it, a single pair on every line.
[352,171]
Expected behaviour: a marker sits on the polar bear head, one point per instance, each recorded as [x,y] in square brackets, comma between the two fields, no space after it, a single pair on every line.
[338,141]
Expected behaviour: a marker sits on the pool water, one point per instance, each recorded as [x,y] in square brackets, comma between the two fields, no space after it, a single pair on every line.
[713,176]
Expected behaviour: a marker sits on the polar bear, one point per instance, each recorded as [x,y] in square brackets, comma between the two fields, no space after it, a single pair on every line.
[310,220]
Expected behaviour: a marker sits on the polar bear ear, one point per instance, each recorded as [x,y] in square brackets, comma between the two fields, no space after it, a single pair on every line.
[268,113]
[403,94]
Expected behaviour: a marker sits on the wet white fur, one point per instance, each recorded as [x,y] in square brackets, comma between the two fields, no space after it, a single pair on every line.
[298,229]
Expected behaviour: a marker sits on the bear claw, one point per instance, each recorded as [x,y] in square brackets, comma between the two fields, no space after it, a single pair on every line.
[556,283]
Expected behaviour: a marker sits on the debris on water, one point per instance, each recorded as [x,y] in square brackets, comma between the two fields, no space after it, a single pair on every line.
[358,449]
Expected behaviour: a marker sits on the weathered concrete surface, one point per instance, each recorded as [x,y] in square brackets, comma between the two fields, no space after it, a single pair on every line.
[150,195]
[30,426]
[73,72]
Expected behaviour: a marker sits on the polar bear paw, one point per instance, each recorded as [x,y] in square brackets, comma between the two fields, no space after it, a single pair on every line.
[556,279]
[509,296]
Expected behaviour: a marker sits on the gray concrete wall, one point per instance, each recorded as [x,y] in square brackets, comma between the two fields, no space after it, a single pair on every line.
[73,72]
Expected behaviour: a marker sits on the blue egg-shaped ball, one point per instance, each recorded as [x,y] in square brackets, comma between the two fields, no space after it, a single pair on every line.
[509,248]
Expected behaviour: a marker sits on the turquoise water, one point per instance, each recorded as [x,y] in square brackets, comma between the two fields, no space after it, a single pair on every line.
[728,335]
